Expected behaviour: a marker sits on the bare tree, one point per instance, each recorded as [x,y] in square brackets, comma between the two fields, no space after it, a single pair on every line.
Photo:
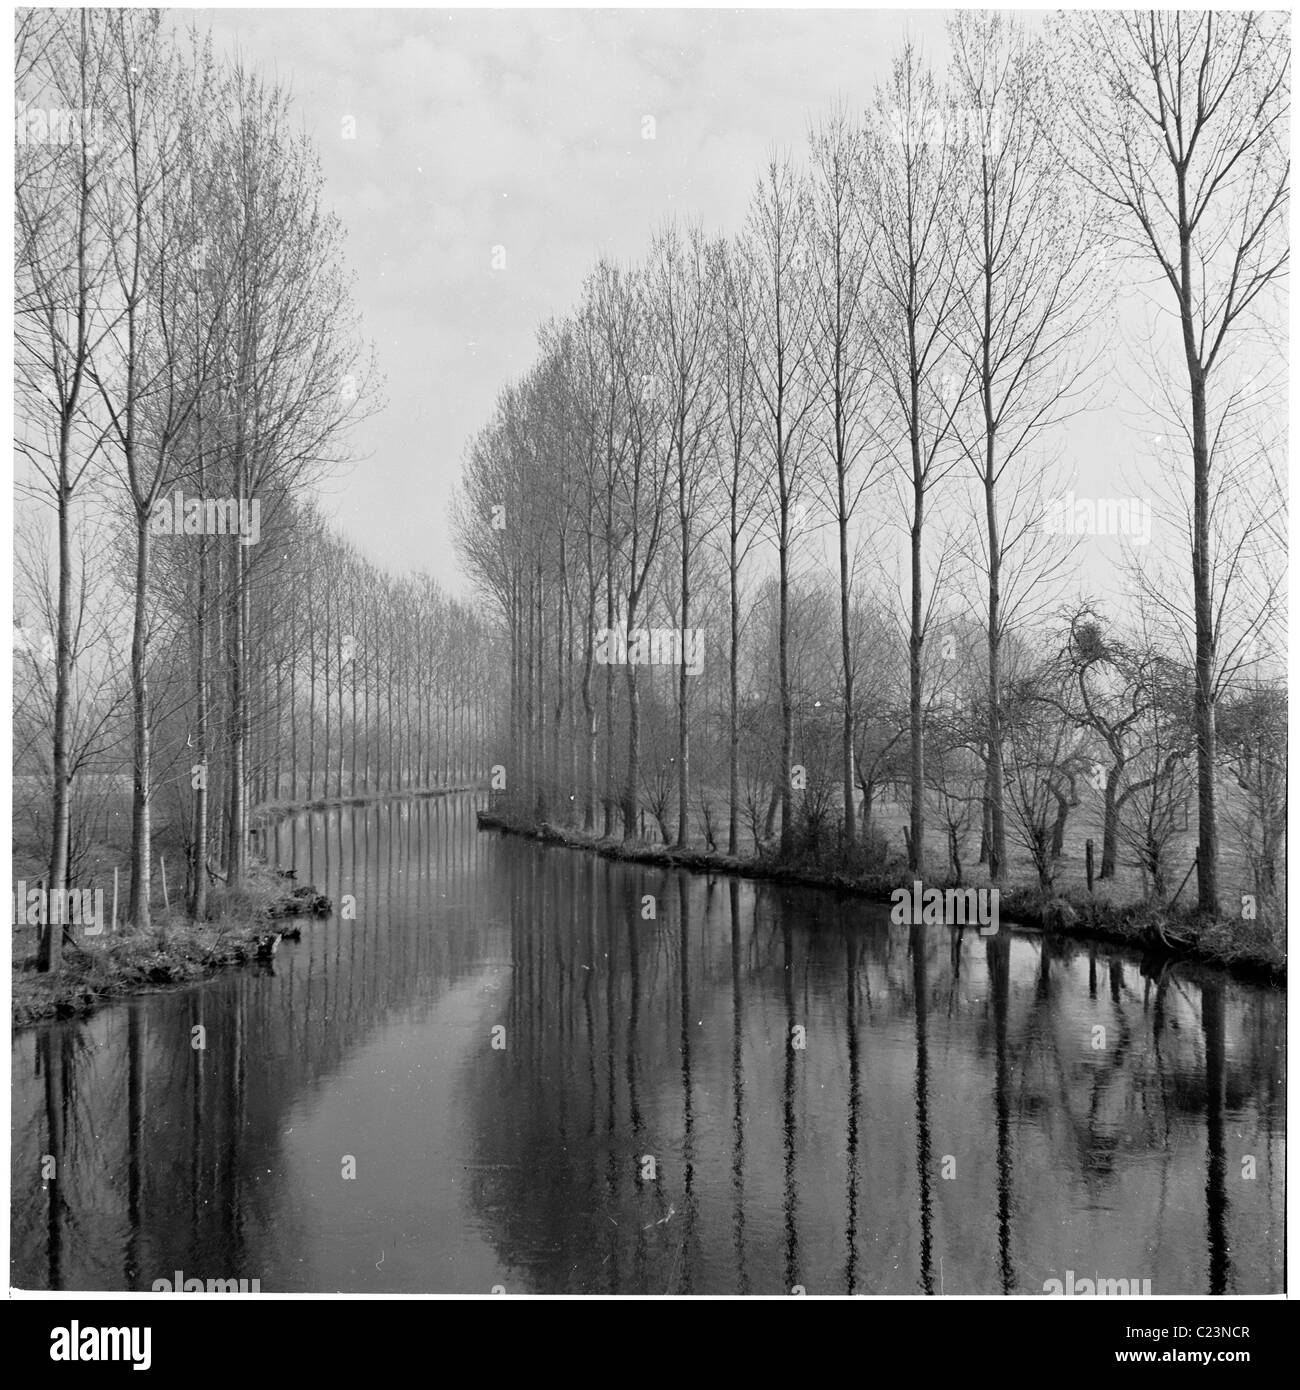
[841,234]
[148,394]
[1041,752]
[683,318]
[914,150]
[1024,298]
[641,498]
[779,276]
[59,317]
[738,493]
[1179,120]
[293,373]
[1253,738]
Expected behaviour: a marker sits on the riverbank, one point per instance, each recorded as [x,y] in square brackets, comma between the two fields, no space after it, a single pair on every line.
[275,810]
[243,926]
[1245,948]
[169,954]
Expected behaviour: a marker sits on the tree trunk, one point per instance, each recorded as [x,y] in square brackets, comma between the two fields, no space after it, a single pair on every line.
[199,893]
[997,810]
[140,773]
[630,786]
[1058,828]
[237,850]
[609,689]
[1110,822]
[683,721]
[50,955]
[1207,847]
[787,705]
[589,727]
[916,841]
[733,710]
[846,656]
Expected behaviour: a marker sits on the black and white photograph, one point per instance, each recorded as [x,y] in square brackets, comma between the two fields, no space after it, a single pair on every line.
[649,659]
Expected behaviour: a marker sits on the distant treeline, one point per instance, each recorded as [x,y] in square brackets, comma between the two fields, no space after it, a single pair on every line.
[189,365]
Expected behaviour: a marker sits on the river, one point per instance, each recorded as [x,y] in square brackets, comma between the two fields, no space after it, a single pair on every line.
[523,1069]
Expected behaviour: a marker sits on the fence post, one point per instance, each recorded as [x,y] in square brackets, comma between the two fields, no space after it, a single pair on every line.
[1088,861]
[1186,876]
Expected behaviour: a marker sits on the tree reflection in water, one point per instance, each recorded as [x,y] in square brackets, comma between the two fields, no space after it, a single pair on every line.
[950,1123]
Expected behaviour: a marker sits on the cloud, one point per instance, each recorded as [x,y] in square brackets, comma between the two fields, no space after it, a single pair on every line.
[523,129]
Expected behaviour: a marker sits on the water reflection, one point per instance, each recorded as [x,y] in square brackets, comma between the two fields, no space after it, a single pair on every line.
[702,1086]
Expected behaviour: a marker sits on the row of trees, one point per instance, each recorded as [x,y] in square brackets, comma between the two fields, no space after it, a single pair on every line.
[188,367]
[360,682]
[893,347]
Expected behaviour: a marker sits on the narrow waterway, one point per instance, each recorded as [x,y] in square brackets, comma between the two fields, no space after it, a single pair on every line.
[526,1068]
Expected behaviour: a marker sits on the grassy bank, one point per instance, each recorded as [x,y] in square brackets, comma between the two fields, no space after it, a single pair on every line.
[274,810]
[174,951]
[242,926]
[1250,949]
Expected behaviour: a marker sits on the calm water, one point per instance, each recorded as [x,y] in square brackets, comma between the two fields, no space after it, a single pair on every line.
[954,1122]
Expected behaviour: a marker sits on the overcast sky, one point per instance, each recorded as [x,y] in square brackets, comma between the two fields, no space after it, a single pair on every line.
[523,129]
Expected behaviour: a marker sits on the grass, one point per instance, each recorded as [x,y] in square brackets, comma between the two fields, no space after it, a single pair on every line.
[174,951]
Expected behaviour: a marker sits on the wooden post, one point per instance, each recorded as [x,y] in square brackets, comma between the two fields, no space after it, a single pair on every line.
[1183,884]
[113,928]
[162,869]
[1088,858]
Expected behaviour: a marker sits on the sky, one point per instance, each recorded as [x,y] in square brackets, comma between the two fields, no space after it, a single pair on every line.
[523,129]
[446,135]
